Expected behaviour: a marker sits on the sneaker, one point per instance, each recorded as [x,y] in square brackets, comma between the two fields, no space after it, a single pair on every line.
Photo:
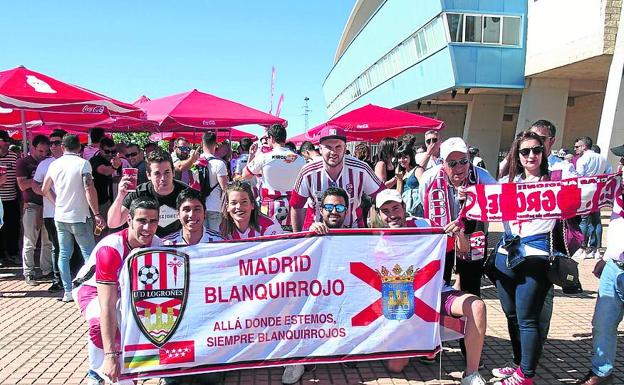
[592,379]
[292,374]
[517,378]
[506,371]
[579,254]
[94,381]
[473,379]
[55,287]
[589,253]
[30,280]
[47,277]
[67,297]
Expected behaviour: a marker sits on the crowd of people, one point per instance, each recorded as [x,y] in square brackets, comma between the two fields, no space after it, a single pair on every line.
[65,195]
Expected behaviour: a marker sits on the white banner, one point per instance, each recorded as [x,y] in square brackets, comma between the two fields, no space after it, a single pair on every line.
[352,295]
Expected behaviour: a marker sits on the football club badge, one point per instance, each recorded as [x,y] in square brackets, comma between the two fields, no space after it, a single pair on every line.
[397,292]
[477,245]
[159,281]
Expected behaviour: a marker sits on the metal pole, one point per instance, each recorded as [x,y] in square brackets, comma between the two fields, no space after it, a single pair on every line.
[24,141]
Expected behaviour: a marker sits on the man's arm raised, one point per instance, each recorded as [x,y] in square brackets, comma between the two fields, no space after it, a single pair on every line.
[117,211]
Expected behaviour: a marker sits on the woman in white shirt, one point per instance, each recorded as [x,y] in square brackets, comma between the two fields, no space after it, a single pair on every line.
[522,265]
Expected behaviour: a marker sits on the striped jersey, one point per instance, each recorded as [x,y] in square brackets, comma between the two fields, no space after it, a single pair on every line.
[278,170]
[268,226]
[355,178]
[8,191]
[106,259]
[176,239]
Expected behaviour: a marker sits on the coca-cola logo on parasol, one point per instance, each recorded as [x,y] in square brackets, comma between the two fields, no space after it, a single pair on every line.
[208,122]
[39,85]
[93,109]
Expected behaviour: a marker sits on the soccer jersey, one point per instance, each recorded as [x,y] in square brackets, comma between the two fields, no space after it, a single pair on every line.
[176,239]
[278,170]
[106,260]
[267,227]
[355,178]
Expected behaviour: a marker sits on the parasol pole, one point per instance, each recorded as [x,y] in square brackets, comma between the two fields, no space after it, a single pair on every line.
[24,141]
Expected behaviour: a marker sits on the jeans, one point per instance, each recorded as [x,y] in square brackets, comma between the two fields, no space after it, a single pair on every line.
[546,314]
[522,292]
[32,221]
[67,232]
[53,237]
[607,315]
[589,227]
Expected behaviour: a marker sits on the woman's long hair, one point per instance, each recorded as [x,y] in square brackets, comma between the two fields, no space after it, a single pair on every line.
[387,149]
[515,167]
[227,223]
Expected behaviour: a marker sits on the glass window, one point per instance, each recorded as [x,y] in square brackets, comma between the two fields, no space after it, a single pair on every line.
[456,26]
[419,45]
[473,29]
[511,30]
[491,29]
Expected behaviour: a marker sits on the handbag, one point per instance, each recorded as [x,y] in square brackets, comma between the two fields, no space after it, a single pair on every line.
[563,270]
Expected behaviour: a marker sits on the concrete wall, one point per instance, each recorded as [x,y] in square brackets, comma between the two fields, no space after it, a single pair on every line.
[561,32]
[454,117]
[582,119]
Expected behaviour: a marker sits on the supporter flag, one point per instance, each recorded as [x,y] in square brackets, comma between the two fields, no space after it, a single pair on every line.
[148,355]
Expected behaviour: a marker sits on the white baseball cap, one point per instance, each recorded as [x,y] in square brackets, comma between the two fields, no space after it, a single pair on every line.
[387,195]
[450,145]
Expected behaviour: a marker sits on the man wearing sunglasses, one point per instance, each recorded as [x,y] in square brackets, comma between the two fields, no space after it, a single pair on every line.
[334,205]
[105,165]
[442,191]
[184,157]
[432,154]
[135,156]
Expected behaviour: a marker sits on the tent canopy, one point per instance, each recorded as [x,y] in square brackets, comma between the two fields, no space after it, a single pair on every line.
[373,123]
[202,111]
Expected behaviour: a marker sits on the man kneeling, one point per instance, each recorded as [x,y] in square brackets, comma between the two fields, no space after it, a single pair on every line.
[96,287]
[455,303]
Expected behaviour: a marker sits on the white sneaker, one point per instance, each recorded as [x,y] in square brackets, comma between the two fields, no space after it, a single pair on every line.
[505,371]
[94,381]
[292,374]
[579,254]
[473,379]
[67,297]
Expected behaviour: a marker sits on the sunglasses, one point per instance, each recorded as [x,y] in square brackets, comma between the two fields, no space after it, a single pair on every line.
[184,149]
[329,207]
[431,140]
[131,154]
[55,143]
[109,152]
[537,150]
[453,163]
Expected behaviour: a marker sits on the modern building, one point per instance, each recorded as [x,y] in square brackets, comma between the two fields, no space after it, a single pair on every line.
[488,68]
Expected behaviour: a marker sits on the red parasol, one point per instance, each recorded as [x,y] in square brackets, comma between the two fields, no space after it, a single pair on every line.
[203,111]
[373,123]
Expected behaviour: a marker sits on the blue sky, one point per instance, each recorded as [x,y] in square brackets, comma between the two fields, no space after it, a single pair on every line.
[128,48]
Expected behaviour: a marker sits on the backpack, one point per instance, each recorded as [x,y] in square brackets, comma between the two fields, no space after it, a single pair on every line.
[204,178]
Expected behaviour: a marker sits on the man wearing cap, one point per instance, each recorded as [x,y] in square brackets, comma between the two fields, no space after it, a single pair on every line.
[454,303]
[442,191]
[333,170]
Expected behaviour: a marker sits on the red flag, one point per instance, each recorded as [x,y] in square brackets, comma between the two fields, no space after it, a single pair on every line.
[177,352]
[279,105]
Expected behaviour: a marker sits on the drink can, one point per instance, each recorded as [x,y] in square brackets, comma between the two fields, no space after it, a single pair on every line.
[133,173]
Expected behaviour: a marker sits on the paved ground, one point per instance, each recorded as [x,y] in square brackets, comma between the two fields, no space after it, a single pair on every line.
[42,341]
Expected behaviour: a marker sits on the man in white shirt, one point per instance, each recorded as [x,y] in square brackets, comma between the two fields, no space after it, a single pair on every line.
[56,138]
[278,170]
[69,184]
[589,164]
[432,154]
[213,179]
[183,157]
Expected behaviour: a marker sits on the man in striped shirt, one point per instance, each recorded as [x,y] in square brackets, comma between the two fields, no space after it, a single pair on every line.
[334,170]
[9,234]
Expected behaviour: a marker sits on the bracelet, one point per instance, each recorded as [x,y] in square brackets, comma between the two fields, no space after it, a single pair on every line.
[114,354]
